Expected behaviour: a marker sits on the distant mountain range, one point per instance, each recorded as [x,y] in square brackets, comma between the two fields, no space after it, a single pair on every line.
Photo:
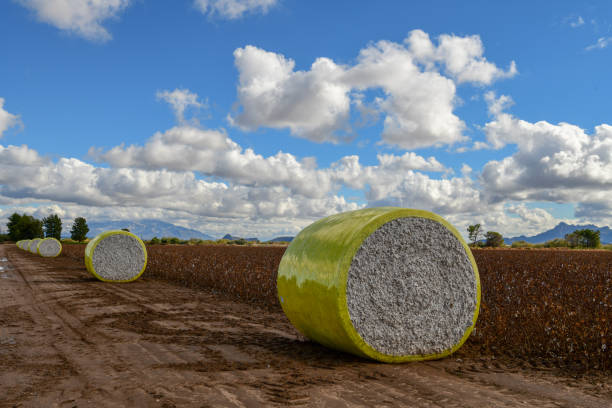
[277,239]
[605,234]
[145,229]
[282,239]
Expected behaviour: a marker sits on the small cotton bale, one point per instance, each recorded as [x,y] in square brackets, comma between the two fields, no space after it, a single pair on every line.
[49,248]
[116,256]
[24,244]
[32,246]
[390,284]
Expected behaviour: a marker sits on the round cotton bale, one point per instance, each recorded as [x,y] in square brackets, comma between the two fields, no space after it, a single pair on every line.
[390,284]
[24,244]
[116,256]
[49,248]
[33,245]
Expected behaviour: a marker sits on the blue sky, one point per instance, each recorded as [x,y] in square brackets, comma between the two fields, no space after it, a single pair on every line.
[481,111]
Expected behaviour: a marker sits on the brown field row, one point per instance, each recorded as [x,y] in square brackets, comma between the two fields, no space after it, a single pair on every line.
[548,305]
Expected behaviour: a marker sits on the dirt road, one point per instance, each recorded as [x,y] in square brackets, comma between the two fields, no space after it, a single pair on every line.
[68,340]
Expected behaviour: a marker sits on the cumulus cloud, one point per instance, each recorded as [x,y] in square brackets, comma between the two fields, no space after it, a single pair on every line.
[234,9]
[497,105]
[180,100]
[213,153]
[82,17]
[602,42]
[25,174]
[462,57]
[7,120]
[560,163]
[312,104]
[264,209]
[418,80]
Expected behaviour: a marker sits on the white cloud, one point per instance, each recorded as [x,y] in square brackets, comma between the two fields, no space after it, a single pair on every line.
[417,103]
[577,22]
[25,174]
[82,17]
[213,153]
[601,43]
[260,209]
[7,120]
[462,57]
[559,163]
[497,105]
[417,106]
[181,100]
[312,104]
[234,9]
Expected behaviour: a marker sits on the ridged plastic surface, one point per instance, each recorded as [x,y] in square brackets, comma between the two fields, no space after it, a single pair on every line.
[91,246]
[313,273]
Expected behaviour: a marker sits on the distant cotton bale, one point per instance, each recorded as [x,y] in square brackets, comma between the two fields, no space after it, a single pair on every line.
[116,256]
[24,244]
[32,246]
[49,248]
[390,284]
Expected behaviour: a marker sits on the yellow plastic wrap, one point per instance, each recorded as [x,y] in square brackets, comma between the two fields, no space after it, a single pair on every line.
[313,273]
[33,245]
[91,246]
[45,239]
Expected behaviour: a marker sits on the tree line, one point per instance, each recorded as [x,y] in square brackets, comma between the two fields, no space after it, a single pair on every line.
[584,238]
[23,226]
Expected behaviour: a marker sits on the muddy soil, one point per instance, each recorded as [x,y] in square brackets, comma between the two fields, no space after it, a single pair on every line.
[68,340]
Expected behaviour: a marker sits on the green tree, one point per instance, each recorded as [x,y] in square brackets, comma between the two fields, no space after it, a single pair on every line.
[585,238]
[494,239]
[79,229]
[24,227]
[14,234]
[53,226]
[474,232]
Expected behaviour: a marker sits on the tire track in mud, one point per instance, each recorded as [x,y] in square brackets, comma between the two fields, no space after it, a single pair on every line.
[151,343]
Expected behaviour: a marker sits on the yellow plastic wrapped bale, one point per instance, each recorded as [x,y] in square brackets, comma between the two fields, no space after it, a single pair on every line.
[116,256]
[49,248]
[33,244]
[390,284]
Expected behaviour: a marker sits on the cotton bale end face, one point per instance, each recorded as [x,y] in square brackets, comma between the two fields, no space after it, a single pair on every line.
[32,246]
[49,248]
[390,284]
[24,244]
[116,256]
